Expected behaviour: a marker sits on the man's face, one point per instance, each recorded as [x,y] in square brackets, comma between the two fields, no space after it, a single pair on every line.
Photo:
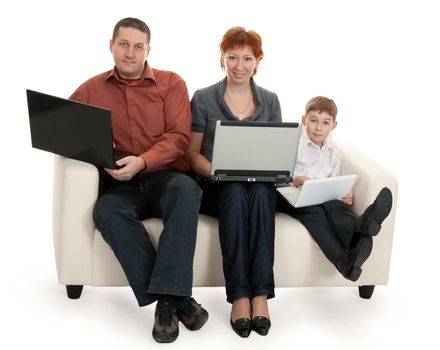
[130,49]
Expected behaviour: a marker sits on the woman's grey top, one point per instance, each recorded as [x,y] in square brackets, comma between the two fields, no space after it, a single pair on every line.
[208,106]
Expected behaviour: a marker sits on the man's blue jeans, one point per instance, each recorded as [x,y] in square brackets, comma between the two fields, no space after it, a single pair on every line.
[169,195]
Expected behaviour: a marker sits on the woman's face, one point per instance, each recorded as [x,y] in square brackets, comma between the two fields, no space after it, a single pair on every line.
[240,64]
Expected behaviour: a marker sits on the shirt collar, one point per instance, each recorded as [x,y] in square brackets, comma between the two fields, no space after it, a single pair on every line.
[147,74]
[328,143]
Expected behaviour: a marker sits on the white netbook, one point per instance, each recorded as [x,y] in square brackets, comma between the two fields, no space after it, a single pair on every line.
[318,191]
[254,151]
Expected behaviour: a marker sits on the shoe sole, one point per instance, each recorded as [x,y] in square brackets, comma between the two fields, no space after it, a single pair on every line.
[165,338]
[382,209]
[364,248]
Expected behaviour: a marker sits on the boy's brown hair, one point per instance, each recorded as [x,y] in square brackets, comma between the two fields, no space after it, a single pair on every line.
[322,104]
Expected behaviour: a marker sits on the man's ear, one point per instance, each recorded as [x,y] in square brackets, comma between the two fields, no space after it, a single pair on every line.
[335,124]
[110,45]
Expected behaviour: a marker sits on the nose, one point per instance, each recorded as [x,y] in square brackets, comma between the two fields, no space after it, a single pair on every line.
[240,63]
[129,52]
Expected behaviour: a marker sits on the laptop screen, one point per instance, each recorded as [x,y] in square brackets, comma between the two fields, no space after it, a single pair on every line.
[71,129]
[254,151]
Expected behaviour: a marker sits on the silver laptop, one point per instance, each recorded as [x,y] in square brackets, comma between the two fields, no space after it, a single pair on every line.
[318,191]
[254,151]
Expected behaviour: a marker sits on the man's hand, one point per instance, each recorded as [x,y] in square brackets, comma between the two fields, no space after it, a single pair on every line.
[130,166]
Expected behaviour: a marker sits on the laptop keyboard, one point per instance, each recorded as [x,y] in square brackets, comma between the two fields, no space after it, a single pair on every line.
[291,193]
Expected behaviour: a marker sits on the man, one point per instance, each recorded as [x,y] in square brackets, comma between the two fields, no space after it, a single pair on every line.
[151,121]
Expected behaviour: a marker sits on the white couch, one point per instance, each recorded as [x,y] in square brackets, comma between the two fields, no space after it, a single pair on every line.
[83,258]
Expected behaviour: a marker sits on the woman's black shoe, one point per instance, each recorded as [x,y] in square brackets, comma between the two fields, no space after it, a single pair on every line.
[261,325]
[242,327]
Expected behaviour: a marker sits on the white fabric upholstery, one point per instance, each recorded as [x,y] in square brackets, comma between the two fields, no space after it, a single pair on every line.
[83,258]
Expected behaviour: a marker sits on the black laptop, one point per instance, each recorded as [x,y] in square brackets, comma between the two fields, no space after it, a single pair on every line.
[71,129]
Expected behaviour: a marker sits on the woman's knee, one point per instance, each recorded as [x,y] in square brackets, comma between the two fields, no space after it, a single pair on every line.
[264,193]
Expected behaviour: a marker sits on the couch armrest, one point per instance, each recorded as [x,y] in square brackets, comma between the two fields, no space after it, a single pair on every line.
[74,195]
[371,178]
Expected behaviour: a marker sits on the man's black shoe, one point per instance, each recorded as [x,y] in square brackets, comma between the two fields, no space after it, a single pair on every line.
[349,265]
[191,313]
[166,322]
[369,223]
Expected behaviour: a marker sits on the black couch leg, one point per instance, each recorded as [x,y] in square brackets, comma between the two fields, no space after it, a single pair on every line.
[365,292]
[74,291]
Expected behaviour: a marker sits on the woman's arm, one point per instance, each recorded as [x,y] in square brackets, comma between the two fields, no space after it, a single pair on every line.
[198,162]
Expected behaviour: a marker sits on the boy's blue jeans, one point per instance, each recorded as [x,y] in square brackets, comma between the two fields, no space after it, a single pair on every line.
[331,224]
[175,198]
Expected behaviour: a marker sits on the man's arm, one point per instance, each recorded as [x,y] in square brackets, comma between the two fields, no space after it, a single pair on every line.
[174,142]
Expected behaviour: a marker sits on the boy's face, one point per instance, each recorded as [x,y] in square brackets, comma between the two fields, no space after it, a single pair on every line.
[318,126]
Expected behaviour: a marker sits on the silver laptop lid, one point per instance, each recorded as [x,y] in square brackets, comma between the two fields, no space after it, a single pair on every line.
[254,151]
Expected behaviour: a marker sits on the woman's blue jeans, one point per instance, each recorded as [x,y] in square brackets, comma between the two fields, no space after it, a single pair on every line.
[246,215]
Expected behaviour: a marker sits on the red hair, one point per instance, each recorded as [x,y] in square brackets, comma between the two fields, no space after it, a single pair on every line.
[238,37]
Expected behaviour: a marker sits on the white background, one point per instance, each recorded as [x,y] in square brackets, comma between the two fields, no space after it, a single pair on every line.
[379,60]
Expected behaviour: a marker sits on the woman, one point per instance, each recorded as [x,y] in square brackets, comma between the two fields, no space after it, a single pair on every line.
[246,211]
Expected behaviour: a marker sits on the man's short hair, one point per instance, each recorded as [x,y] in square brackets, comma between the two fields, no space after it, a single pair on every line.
[131,22]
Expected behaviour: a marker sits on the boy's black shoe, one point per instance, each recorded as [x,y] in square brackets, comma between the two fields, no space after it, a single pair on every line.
[349,265]
[191,313]
[166,322]
[369,223]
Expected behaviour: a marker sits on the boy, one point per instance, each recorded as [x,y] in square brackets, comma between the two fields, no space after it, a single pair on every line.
[344,238]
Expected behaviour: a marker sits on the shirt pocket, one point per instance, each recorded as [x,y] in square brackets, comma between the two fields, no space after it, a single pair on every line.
[154,121]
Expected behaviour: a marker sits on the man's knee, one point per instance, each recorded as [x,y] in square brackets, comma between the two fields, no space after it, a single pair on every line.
[184,187]
[105,210]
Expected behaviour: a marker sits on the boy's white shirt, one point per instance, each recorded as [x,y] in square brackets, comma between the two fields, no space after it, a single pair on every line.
[315,162]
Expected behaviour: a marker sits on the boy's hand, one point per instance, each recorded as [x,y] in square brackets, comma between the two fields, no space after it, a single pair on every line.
[348,198]
[299,180]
